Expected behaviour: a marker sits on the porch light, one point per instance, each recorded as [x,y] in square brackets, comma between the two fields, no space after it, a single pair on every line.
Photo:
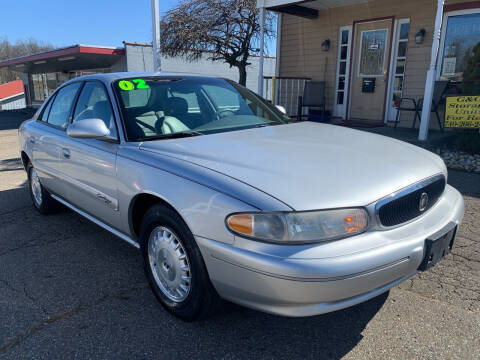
[419,36]
[326,45]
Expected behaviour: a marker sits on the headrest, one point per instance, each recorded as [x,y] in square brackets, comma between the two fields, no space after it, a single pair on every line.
[176,106]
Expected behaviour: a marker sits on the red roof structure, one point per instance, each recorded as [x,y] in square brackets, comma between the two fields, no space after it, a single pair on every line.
[11,89]
[78,57]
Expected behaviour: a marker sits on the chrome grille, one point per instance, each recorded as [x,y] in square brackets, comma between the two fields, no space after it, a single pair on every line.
[409,203]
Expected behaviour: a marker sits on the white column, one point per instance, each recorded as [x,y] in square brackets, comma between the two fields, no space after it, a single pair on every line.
[262,51]
[431,74]
[157,63]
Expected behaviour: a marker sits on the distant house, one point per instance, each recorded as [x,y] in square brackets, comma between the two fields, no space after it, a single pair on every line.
[43,72]
[12,95]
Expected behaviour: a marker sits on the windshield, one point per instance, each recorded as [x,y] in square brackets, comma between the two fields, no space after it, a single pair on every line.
[159,108]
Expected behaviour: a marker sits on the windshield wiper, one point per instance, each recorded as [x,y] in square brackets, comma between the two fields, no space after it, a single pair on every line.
[177,135]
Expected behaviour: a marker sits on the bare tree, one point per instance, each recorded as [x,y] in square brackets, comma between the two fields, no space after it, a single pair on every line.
[227,30]
[20,48]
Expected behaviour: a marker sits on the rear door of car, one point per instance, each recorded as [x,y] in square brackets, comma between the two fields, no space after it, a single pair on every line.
[47,136]
[89,165]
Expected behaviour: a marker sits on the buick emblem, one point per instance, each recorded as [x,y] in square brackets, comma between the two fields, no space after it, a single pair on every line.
[423,203]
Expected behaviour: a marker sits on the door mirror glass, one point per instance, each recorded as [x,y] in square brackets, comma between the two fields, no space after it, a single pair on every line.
[88,129]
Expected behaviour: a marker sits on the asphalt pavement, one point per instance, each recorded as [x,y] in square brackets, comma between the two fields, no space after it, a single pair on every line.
[69,289]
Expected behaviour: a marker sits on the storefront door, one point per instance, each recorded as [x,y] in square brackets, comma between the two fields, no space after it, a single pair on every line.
[370,70]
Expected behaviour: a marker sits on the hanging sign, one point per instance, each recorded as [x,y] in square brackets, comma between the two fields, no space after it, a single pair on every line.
[462,112]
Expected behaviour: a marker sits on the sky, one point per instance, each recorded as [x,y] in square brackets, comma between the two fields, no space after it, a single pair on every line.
[88,22]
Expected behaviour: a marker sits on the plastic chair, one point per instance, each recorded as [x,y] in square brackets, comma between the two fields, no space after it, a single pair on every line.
[313,96]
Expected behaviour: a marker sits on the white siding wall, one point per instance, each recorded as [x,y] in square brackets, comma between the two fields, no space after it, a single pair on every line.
[139,58]
[17,102]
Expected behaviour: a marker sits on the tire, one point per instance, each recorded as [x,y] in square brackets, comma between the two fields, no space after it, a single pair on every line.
[170,257]
[41,198]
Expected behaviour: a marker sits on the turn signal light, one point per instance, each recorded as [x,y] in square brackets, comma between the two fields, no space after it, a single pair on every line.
[242,224]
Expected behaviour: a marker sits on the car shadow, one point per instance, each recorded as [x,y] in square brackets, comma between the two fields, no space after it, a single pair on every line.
[327,336]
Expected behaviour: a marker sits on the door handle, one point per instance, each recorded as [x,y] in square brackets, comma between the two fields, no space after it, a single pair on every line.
[31,140]
[66,153]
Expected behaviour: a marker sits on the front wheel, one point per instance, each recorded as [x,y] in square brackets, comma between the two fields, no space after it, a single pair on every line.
[174,265]
[42,201]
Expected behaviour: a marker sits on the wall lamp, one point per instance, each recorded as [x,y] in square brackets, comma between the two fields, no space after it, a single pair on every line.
[326,45]
[420,36]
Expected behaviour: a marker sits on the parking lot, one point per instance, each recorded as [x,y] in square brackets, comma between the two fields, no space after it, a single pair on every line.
[69,289]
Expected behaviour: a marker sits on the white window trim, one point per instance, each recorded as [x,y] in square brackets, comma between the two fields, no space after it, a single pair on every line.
[360,54]
[393,63]
[444,30]
[340,110]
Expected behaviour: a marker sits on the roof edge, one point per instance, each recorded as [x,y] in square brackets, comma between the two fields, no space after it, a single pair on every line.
[68,50]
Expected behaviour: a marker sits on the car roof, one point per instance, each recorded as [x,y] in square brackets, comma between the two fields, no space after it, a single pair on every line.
[110,77]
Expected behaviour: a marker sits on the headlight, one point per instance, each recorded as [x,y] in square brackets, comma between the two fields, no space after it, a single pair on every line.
[299,227]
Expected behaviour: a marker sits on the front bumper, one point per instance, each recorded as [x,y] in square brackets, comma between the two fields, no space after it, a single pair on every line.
[305,280]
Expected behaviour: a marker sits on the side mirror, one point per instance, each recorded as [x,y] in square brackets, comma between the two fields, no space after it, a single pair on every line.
[88,129]
[281,108]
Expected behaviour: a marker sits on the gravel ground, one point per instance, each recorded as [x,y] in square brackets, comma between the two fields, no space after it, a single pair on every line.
[68,289]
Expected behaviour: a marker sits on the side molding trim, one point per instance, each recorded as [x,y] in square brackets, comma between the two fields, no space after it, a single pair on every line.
[98,222]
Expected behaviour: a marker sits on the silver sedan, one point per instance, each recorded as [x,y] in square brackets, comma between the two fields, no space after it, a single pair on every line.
[229,198]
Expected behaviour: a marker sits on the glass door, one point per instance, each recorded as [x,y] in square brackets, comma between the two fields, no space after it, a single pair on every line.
[459,58]
[343,61]
[399,60]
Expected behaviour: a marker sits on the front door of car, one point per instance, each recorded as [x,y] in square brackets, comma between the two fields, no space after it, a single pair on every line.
[89,165]
[49,135]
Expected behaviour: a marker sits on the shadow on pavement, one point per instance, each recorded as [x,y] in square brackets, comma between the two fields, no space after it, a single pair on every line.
[467,183]
[10,120]
[11,164]
[327,336]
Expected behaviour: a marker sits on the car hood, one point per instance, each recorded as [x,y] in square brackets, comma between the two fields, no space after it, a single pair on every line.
[308,165]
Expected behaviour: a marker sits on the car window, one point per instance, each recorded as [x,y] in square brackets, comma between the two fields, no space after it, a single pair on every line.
[93,103]
[62,106]
[190,98]
[136,99]
[224,99]
[189,105]
[46,111]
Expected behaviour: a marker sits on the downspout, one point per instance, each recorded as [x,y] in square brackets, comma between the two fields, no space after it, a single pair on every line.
[431,74]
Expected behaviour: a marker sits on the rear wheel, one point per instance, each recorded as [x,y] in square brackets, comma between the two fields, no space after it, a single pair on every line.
[41,198]
[174,265]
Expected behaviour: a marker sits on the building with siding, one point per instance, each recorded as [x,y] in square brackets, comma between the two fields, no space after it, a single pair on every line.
[384,44]
[43,72]
[12,95]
